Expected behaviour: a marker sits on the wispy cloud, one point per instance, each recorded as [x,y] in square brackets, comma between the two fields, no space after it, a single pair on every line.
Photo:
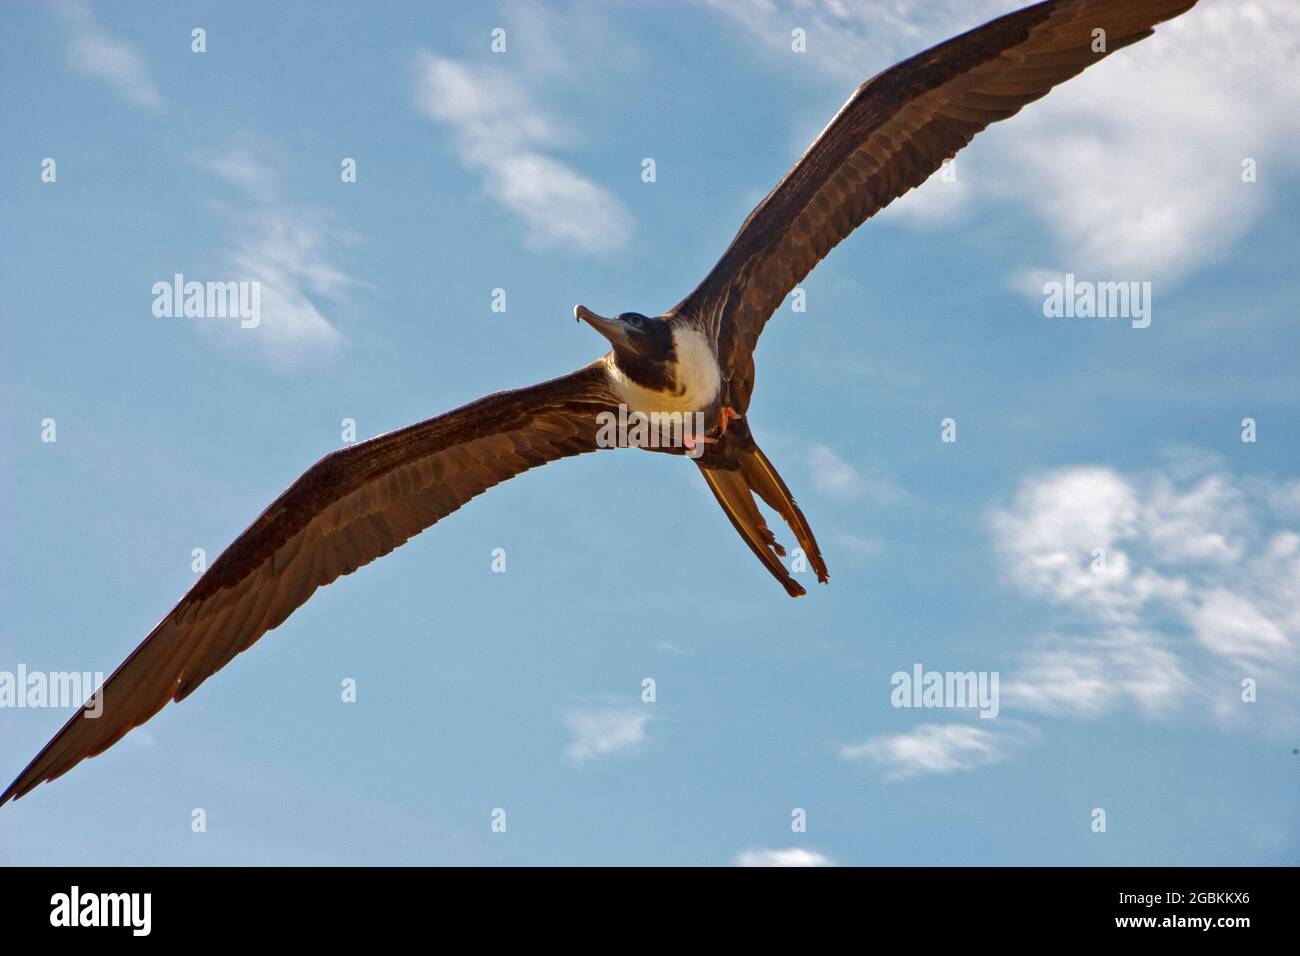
[937,202]
[788,856]
[1089,676]
[864,549]
[248,163]
[835,478]
[936,748]
[600,731]
[97,53]
[292,251]
[669,647]
[500,133]
[1225,78]
[1167,588]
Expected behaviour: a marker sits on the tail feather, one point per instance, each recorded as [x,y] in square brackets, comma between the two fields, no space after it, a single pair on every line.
[734,474]
[733,494]
[763,478]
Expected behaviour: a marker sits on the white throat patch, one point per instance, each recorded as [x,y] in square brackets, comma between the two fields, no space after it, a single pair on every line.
[697,374]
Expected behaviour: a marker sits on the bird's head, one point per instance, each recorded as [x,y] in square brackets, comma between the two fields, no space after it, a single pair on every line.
[637,339]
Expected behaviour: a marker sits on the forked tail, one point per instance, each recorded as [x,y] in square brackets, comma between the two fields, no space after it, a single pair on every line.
[736,469]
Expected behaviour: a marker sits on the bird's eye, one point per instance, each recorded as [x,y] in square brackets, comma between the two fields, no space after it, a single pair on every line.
[635,320]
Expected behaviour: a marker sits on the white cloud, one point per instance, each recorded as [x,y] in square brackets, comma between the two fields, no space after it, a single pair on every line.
[835,478]
[1134,167]
[98,54]
[1231,625]
[1050,534]
[600,731]
[143,739]
[1167,589]
[789,856]
[863,548]
[934,748]
[668,647]
[1285,498]
[244,164]
[500,133]
[1090,676]
[937,201]
[292,251]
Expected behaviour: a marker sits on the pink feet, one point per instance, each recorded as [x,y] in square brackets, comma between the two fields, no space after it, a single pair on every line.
[727,414]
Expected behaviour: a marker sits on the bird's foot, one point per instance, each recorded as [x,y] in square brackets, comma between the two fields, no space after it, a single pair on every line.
[726,414]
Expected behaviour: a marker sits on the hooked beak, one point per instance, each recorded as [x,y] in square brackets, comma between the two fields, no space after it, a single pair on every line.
[612,329]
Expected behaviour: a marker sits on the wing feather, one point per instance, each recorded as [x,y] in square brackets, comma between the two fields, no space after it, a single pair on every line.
[352,507]
[891,135]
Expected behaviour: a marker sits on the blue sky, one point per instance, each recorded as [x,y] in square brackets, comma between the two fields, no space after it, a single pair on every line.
[1121,687]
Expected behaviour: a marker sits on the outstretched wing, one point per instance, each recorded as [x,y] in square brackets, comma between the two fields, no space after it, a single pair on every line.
[351,507]
[895,131]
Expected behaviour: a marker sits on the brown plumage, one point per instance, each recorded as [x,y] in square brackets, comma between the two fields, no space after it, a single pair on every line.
[891,135]
[736,469]
[351,507]
[895,131]
[357,504]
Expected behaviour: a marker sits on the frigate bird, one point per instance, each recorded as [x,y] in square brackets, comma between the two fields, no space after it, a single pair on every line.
[359,503]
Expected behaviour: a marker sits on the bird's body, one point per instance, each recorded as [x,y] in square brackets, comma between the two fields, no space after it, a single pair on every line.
[358,504]
[691,381]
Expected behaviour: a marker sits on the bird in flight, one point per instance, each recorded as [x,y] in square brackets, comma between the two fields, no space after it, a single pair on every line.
[697,360]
